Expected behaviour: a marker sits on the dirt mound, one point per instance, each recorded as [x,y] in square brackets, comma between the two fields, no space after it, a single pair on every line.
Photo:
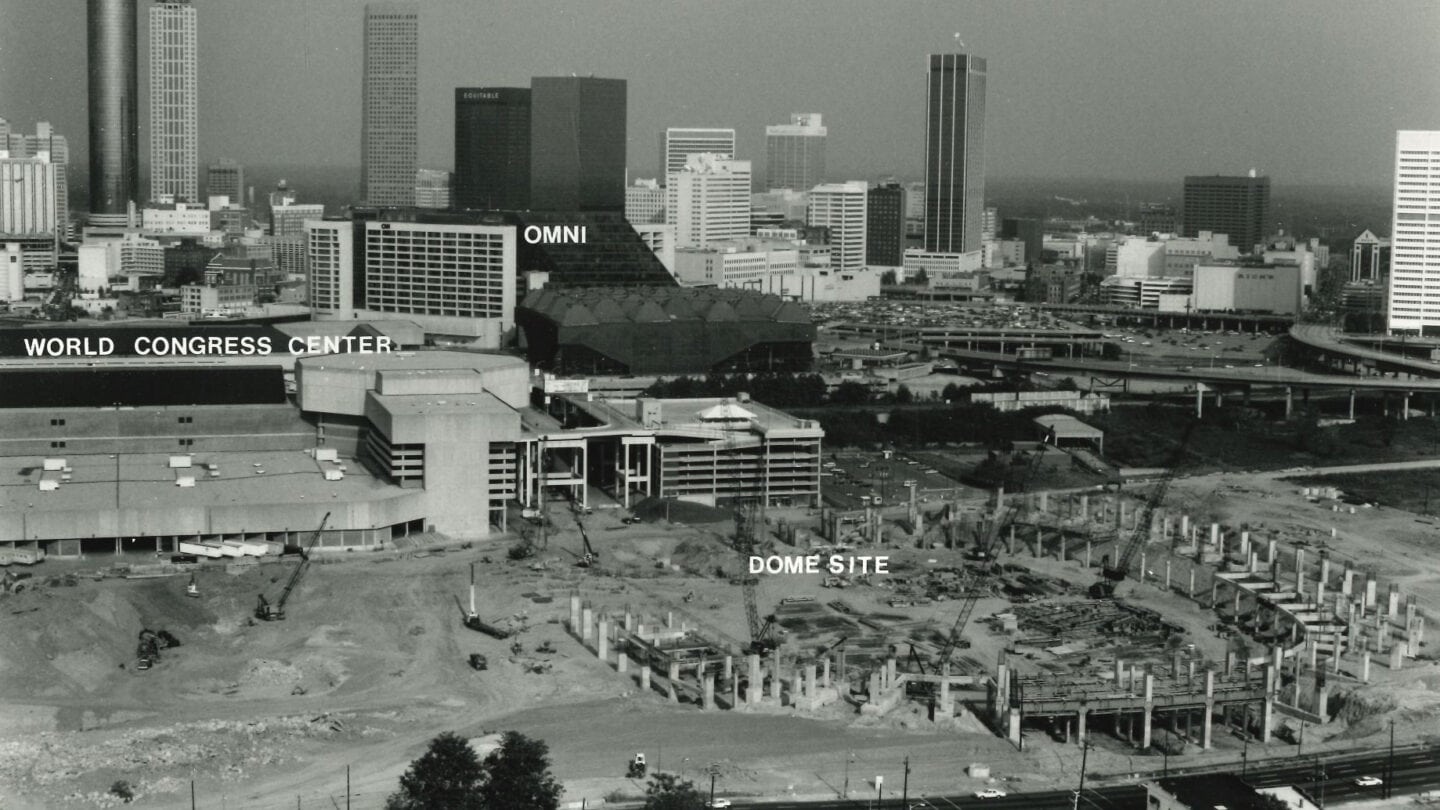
[652,509]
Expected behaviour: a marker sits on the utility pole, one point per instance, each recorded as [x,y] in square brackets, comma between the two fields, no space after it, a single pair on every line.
[1390,764]
[1084,759]
[347,787]
[905,787]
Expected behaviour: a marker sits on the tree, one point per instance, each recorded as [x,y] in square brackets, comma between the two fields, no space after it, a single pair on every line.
[903,395]
[518,776]
[850,393]
[448,776]
[887,278]
[666,791]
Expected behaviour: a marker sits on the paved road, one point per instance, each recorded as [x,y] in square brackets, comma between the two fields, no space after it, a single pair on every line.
[1329,339]
[1415,770]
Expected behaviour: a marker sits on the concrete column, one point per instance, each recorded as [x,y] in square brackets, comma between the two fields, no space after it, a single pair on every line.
[1254,562]
[1084,507]
[1235,608]
[1270,557]
[946,707]
[1192,582]
[1370,590]
[670,619]
[875,688]
[707,699]
[1347,581]
[1244,544]
[1165,528]
[775,682]
[1044,502]
[587,624]
[1081,723]
[1320,592]
[1206,730]
[797,685]
[1397,656]
[1322,703]
[1143,569]
[1230,659]
[672,677]
[1300,582]
[1167,574]
[729,670]
[1364,666]
[1119,674]
[755,690]
[575,613]
[1289,401]
[644,677]
[1214,534]
[1013,728]
[1215,592]
[602,640]
[622,663]
[1325,567]
[629,621]
[1002,690]
[890,671]
[1087,552]
[810,680]
[1149,710]
[825,673]
[1392,601]
[1267,712]
[1185,527]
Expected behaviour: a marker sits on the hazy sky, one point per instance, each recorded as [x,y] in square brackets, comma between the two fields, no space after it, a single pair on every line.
[1308,91]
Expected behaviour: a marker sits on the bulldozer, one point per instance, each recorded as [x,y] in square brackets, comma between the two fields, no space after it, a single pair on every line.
[478,662]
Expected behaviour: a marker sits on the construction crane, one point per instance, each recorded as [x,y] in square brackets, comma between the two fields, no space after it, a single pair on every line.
[762,633]
[1113,574]
[591,557]
[472,618]
[986,541]
[276,612]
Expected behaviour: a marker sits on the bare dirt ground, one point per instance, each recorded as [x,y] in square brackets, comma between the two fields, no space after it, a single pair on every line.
[370,664]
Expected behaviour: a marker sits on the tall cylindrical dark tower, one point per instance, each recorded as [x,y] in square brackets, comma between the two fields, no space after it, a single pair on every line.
[114,94]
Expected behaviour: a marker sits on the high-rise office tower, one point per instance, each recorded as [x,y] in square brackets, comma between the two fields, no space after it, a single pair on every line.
[174,129]
[677,144]
[577,144]
[1028,232]
[391,92]
[954,153]
[840,209]
[27,198]
[1369,258]
[289,219]
[113,90]
[795,153]
[432,188]
[885,225]
[492,148]
[707,200]
[1236,206]
[1414,296]
[44,142]
[225,179]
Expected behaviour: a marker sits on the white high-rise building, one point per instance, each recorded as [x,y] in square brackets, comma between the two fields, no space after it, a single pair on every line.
[45,141]
[467,295]
[27,197]
[644,202]
[432,188]
[1413,305]
[677,144]
[841,207]
[708,200]
[174,129]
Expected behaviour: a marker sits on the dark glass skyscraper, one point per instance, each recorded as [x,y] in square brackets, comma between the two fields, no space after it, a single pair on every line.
[114,88]
[885,225]
[492,148]
[577,144]
[1236,206]
[954,153]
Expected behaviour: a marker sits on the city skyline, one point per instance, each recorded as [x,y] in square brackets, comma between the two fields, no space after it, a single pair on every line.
[1139,113]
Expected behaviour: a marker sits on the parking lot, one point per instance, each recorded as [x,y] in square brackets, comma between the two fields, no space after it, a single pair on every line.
[855,479]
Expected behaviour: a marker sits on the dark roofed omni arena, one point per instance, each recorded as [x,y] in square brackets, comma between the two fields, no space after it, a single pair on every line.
[664,330]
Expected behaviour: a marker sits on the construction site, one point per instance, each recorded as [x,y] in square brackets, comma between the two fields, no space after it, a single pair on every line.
[1171,617]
